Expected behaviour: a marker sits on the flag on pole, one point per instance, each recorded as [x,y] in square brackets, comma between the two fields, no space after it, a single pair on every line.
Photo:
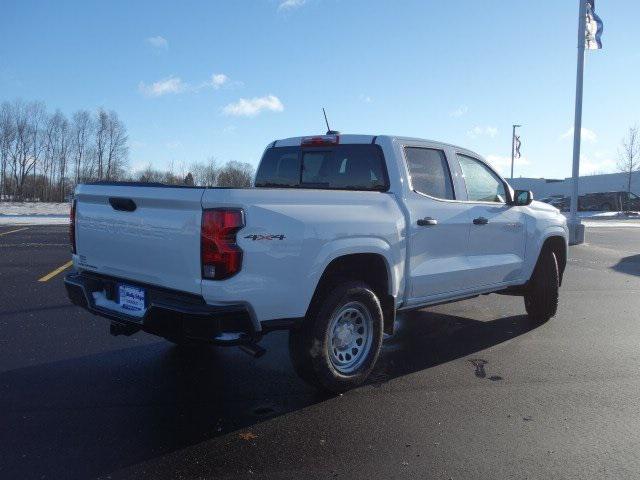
[593,33]
[518,143]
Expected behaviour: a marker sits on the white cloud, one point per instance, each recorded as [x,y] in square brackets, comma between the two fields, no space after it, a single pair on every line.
[459,112]
[250,107]
[176,85]
[163,87]
[158,42]
[218,80]
[365,98]
[586,134]
[478,131]
[290,4]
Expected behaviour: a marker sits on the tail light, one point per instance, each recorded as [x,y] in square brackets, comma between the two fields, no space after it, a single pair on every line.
[220,255]
[72,226]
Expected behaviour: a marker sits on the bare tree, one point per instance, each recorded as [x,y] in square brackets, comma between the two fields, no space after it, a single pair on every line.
[235,174]
[21,163]
[7,136]
[37,116]
[150,175]
[205,174]
[57,139]
[42,156]
[49,156]
[81,130]
[116,146]
[64,139]
[102,128]
[629,155]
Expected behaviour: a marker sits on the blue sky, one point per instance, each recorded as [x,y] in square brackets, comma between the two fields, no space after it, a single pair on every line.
[224,78]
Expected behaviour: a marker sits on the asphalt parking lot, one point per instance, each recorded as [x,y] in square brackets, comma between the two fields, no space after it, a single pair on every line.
[471,390]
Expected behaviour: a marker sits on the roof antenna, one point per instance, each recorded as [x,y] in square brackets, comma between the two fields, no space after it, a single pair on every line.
[329,131]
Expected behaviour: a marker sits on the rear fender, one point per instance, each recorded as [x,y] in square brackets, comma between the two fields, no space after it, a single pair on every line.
[348,246]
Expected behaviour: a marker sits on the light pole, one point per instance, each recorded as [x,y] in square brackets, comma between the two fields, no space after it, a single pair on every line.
[576,228]
[513,147]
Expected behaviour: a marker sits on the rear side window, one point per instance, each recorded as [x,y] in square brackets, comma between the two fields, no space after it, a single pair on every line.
[429,172]
[280,167]
[340,167]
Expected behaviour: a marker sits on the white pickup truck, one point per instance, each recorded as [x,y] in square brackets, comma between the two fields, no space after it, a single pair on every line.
[339,234]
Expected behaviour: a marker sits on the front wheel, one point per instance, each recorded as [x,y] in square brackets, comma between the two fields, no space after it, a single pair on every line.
[541,298]
[340,339]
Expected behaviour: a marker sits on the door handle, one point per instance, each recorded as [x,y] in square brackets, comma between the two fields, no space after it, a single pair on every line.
[480,221]
[427,221]
[122,204]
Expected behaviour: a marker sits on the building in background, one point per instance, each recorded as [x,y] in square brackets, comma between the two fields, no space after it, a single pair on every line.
[545,187]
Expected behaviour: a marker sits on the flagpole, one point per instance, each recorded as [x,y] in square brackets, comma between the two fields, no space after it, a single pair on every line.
[513,147]
[576,229]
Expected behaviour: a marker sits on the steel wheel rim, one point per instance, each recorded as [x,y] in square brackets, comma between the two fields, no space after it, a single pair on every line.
[350,337]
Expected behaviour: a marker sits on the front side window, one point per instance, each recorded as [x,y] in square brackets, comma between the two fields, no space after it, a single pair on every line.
[429,172]
[482,184]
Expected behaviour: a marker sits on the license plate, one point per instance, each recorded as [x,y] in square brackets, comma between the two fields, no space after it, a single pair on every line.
[131,298]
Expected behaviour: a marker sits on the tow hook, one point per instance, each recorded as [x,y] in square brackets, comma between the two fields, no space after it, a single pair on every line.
[253,349]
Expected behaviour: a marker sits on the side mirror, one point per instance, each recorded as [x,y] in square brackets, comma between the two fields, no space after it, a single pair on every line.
[522,198]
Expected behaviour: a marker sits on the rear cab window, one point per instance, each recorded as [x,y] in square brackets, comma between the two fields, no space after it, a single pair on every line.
[330,167]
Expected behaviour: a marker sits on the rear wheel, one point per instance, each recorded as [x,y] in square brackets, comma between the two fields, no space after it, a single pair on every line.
[340,339]
[541,298]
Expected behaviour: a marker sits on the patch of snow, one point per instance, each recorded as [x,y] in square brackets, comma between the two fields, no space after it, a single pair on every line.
[611,224]
[34,208]
[34,213]
[606,215]
[33,220]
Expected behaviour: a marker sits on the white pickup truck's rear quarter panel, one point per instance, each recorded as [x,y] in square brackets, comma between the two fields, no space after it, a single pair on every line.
[278,277]
[158,243]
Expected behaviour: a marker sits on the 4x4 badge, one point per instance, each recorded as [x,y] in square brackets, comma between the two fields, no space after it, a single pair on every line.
[265,237]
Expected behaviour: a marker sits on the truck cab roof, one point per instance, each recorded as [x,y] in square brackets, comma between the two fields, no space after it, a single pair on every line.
[364,138]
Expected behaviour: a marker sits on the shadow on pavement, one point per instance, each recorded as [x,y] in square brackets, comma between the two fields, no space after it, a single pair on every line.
[629,265]
[88,416]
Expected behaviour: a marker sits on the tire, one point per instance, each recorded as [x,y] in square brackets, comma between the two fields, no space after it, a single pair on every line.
[541,299]
[340,339]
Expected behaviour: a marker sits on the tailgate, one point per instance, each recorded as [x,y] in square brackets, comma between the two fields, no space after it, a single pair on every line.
[144,234]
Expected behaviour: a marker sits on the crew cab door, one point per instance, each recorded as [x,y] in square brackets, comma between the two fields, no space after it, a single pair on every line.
[497,229]
[438,228]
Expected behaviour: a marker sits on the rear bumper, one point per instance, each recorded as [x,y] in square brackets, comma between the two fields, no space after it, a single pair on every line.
[170,314]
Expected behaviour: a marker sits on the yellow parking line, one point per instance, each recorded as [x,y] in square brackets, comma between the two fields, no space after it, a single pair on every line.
[49,276]
[14,231]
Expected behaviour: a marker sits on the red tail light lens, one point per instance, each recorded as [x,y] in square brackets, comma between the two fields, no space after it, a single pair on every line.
[221,257]
[72,227]
[320,141]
